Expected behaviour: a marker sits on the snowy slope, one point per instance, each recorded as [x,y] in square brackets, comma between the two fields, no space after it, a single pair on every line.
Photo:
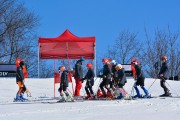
[147,109]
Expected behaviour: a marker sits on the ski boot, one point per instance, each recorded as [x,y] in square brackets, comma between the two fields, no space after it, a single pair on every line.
[22,98]
[110,95]
[120,96]
[87,97]
[166,95]
[99,93]
[92,97]
[69,99]
[137,96]
[62,99]
[147,96]
[17,98]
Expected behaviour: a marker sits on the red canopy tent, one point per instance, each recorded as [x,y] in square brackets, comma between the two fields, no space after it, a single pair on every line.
[67,46]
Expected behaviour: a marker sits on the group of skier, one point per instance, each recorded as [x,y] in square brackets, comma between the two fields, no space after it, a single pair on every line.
[113,79]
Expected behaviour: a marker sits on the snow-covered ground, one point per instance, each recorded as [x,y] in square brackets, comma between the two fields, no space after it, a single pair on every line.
[146,109]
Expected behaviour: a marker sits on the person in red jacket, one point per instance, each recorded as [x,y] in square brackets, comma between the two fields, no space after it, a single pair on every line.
[78,76]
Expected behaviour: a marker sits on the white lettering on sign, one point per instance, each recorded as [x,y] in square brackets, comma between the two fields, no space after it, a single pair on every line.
[3,73]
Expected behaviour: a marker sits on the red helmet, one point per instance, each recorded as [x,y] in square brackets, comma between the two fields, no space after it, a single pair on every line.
[134,60]
[18,62]
[104,60]
[89,65]
[164,58]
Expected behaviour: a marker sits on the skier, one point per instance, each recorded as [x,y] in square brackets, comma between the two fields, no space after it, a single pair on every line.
[106,78]
[90,82]
[25,73]
[78,75]
[63,85]
[20,81]
[139,77]
[121,80]
[113,69]
[163,76]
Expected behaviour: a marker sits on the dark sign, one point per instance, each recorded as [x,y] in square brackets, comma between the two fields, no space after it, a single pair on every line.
[7,70]
[127,68]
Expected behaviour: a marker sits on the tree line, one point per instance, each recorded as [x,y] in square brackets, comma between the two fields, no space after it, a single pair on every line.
[149,50]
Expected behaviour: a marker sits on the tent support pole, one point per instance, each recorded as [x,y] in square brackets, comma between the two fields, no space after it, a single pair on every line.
[38,61]
[54,79]
[94,59]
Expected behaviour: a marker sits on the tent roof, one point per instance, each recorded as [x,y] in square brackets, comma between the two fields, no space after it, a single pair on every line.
[67,46]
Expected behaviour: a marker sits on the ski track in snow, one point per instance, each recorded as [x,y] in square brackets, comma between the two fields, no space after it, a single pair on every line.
[141,109]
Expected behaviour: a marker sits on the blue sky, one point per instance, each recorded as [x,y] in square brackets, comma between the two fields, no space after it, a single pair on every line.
[104,19]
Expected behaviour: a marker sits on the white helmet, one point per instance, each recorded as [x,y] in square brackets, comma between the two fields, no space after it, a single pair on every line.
[118,66]
[113,62]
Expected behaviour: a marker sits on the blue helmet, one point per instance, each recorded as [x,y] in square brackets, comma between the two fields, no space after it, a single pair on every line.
[82,59]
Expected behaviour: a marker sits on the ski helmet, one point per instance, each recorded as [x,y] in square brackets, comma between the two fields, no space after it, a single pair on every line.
[164,58]
[22,63]
[104,60]
[62,68]
[113,62]
[18,62]
[118,67]
[89,65]
[82,59]
[133,60]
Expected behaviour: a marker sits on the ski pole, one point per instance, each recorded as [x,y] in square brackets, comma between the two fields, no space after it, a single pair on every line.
[95,79]
[98,85]
[132,90]
[152,84]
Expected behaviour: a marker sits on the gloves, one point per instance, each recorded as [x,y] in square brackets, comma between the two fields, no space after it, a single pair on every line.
[104,76]
[161,75]
[135,63]
[82,80]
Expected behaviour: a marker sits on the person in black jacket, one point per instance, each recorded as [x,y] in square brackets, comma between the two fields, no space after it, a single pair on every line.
[121,76]
[113,82]
[90,82]
[63,85]
[20,80]
[140,78]
[121,80]
[78,76]
[106,78]
[163,76]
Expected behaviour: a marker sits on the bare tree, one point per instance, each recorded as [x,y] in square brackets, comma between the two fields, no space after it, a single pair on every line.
[125,47]
[164,43]
[17,34]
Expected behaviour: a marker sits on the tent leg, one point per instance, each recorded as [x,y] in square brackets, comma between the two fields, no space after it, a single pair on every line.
[71,81]
[38,61]
[94,61]
[54,79]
